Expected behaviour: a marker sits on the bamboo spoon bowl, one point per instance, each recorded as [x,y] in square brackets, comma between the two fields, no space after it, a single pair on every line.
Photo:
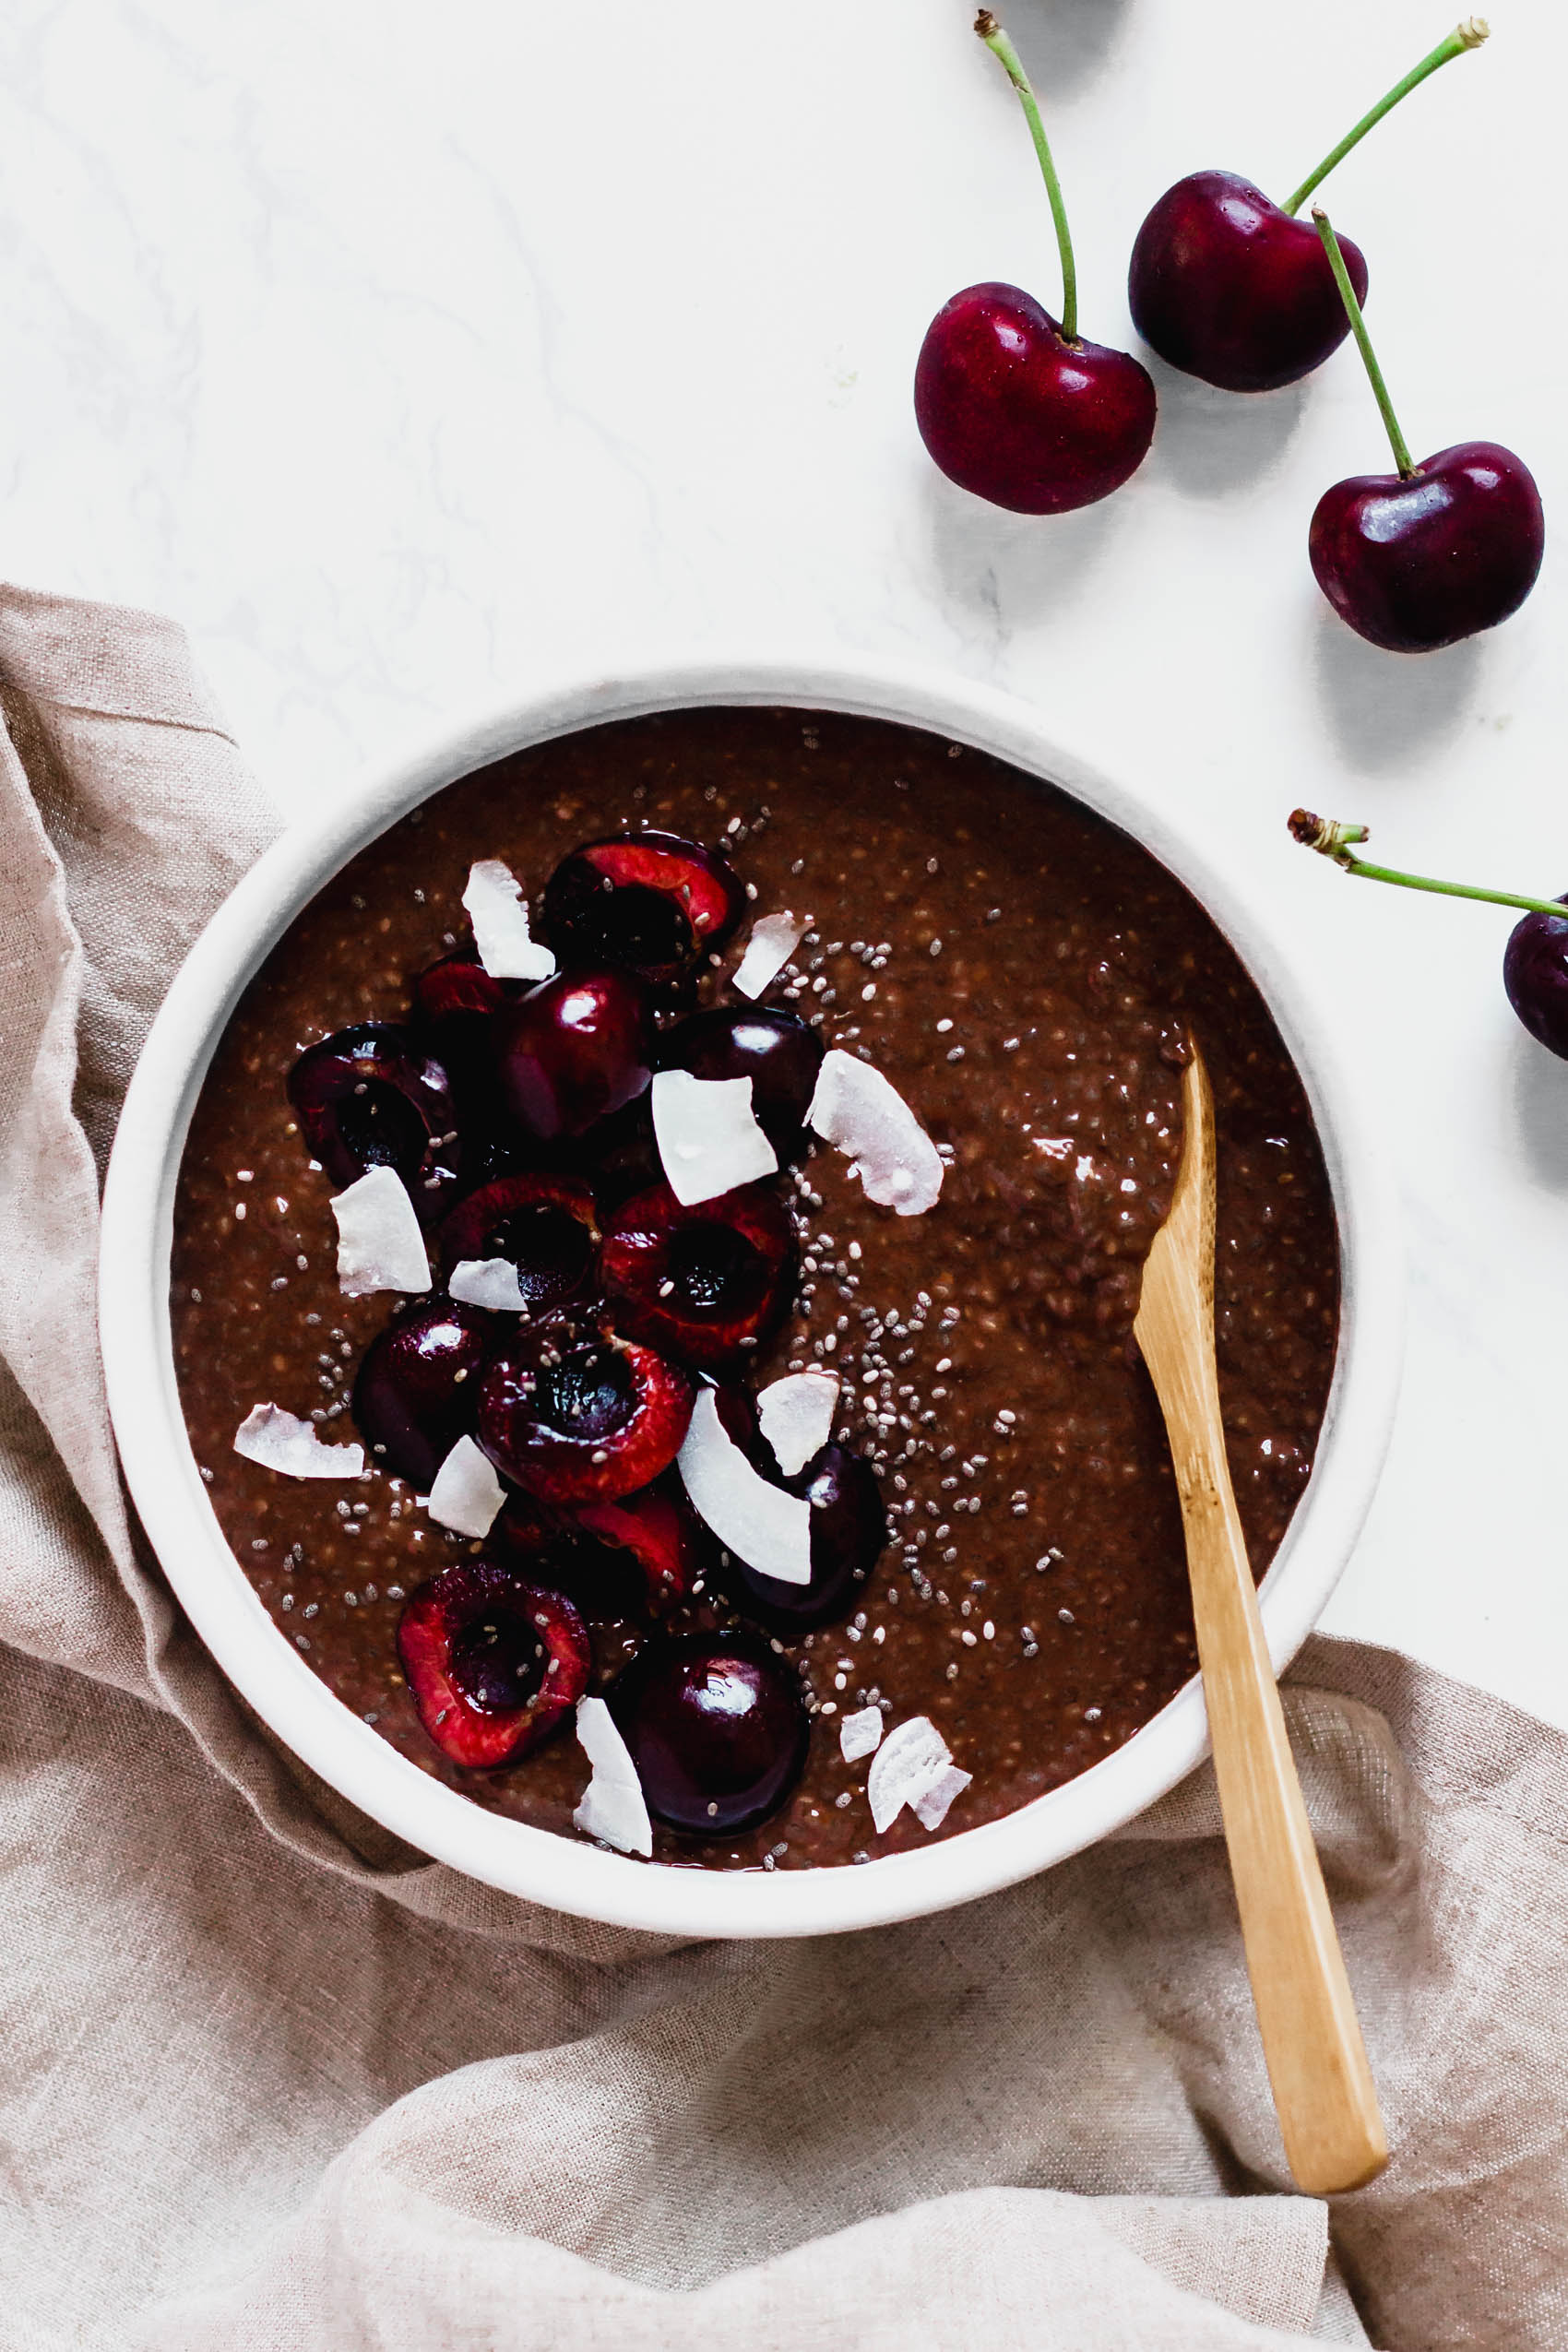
[1317,2062]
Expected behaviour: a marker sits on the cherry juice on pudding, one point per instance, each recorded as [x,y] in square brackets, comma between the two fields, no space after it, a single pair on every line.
[654,1269]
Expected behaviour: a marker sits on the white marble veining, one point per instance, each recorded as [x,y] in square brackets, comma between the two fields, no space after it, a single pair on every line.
[413,355]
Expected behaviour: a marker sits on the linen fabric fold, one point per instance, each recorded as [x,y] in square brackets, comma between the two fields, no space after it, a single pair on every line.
[269,2079]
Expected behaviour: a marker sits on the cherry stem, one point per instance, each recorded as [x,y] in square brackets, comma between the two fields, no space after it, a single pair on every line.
[1333,840]
[1325,228]
[998,41]
[1469,35]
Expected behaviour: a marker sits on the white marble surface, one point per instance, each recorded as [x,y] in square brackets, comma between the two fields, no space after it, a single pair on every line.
[413,355]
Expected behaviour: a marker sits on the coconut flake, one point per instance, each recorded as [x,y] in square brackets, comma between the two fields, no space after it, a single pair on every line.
[860,1735]
[855,1108]
[770,1530]
[709,1138]
[773,941]
[279,1441]
[499,914]
[380,1246]
[796,1414]
[465,1493]
[488,1282]
[613,1807]
[913,1767]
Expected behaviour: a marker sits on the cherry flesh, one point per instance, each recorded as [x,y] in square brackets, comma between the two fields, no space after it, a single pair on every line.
[777,1051]
[1416,562]
[1013,409]
[652,903]
[707,1283]
[717,1728]
[416,1389]
[542,1225]
[1225,285]
[850,1533]
[367,1097]
[494,1662]
[575,1415]
[573,1051]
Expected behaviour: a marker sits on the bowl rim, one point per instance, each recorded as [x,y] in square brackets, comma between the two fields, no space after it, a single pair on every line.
[538,1865]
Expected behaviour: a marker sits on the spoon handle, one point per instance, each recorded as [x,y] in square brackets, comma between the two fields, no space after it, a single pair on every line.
[1317,2062]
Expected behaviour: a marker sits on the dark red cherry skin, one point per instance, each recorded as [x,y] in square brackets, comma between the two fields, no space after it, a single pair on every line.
[706,1283]
[1226,286]
[1010,411]
[850,1533]
[1415,564]
[368,1097]
[717,1728]
[652,903]
[456,985]
[575,1415]
[544,1225]
[1534,973]
[777,1051]
[494,1662]
[573,1051]
[416,1389]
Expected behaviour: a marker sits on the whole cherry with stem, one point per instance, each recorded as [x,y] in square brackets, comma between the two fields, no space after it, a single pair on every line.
[1535,962]
[1231,286]
[1435,551]
[1013,404]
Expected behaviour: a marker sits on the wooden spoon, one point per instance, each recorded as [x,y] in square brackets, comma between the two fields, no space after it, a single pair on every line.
[1317,2061]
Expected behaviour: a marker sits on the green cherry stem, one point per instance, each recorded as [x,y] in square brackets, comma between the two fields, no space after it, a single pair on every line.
[1333,840]
[998,41]
[1469,35]
[1325,228]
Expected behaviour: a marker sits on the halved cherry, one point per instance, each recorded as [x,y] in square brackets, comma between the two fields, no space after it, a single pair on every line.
[573,1051]
[651,902]
[777,1051]
[654,1534]
[367,1096]
[416,1389]
[456,985]
[494,1662]
[707,1283]
[541,1225]
[575,1414]
[850,1533]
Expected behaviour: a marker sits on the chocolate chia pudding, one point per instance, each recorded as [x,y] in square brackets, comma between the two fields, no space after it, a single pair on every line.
[990,1543]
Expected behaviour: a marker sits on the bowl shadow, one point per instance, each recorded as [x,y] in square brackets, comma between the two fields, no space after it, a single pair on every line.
[1387,711]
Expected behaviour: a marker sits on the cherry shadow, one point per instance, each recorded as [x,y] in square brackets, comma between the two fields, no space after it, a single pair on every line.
[1387,711]
[1210,444]
[1008,570]
[1066,42]
[1539,1088]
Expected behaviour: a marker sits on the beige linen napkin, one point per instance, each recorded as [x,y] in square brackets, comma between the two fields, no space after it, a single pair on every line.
[267,2080]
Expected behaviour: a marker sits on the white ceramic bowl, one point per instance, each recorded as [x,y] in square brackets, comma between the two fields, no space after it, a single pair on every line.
[172,1498]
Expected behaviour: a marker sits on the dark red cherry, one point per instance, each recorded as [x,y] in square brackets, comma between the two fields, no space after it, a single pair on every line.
[652,903]
[1534,973]
[573,1051]
[1011,409]
[576,1415]
[417,1390]
[619,1560]
[1227,287]
[707,1283]
[493,1662]
[717,1728]
[777,1051]
[542,1225]
[850,1533]
[1421,561]
[456,985]
[366,1098]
